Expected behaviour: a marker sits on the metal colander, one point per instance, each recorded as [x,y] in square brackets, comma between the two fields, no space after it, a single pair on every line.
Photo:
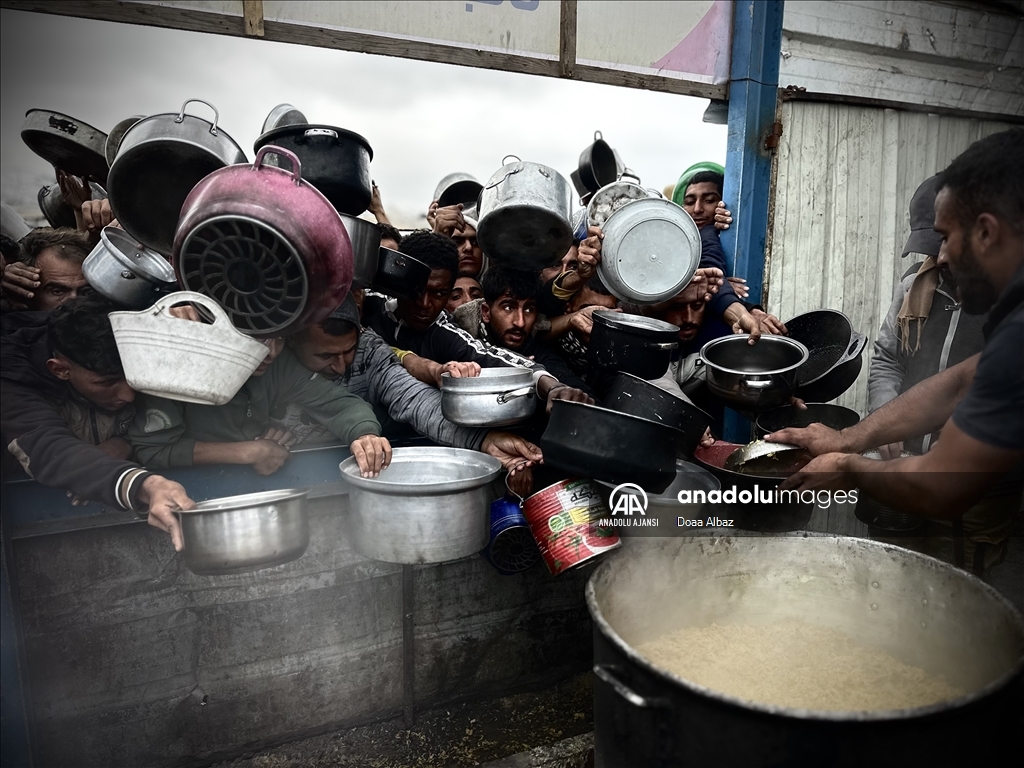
[251,270]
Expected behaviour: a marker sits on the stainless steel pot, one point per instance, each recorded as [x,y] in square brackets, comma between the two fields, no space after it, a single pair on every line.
[117,133]
[457,188]
[127,272]
[159,161]
[56,209]
[365,237]
[597,166]
[525,211]
[753,377]
[431,505]
[496,398]
[239,534]
[613,197]
[923,612]
[650,251]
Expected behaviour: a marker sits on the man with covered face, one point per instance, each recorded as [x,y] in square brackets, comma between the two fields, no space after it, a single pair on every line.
[979,404]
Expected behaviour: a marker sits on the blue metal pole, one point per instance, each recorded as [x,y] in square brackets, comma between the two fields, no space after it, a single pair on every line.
[753,91]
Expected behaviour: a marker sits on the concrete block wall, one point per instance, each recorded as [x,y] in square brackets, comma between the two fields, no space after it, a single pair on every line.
[134,660]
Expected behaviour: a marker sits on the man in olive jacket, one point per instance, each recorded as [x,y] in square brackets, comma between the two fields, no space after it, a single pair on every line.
[168,433]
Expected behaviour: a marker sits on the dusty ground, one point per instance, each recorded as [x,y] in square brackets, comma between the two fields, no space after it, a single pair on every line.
[463,735]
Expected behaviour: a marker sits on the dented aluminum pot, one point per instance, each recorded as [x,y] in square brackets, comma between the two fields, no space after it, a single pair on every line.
[497,397]
[525,216]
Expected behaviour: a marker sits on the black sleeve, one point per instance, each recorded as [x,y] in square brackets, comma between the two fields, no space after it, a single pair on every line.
[713,255]
[37,436]
[992,411]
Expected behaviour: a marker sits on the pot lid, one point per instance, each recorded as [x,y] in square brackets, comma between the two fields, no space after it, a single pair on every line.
[651,251]
[282,115]
[146,263]
[627,322]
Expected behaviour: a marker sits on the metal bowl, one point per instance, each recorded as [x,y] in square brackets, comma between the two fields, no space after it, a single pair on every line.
[753,377]
[239,534]
[431,505]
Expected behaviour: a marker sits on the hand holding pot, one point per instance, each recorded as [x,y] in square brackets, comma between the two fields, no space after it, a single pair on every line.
[458,370]
[723,218]
[515,454]
[163,498]
[96,215]
[372,454]
[582,321]
[74,190]
[267,456]
[448,221]
[564,392]
[817,439]
[589,253]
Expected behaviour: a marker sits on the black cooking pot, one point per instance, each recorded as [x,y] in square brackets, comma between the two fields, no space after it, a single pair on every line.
[838,379]
[633,344]
[772,516]
[335,161]
[400,275]
[827,335]
[832,416]
[56,209]
[606,445]
[597,166]
[632,395]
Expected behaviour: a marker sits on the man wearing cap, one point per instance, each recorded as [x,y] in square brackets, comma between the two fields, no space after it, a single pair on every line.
[979,404]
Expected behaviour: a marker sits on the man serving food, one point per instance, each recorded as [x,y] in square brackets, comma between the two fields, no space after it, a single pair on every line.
[979,404]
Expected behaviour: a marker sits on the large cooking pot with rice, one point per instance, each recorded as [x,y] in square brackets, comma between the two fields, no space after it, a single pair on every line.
[799,650]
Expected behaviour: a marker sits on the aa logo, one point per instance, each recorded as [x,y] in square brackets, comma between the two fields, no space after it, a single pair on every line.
[627,499]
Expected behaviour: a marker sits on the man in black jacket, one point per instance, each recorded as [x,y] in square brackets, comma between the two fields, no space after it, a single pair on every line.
[65,406]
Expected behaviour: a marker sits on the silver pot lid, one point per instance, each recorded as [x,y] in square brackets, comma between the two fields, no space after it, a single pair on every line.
[651,251]
[627,322]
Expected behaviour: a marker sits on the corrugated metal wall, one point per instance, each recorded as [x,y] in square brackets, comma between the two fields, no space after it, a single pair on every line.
[844,181]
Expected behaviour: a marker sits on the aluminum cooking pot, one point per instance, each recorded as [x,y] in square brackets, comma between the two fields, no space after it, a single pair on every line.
[116,134]
[126,272]
[159,161]
[431,505]
[597,165]
[603,444]
[56,209]
[365,237]
[614,196]
[923,612]
[752,377]
[240,534]
[634,344]
[400,275]
[650,252]
[496,398]
[525,211]
[336,162]
[265,245]
[631,394]
[66,143]
[457,188]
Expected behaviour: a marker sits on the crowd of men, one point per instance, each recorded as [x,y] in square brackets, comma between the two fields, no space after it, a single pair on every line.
[369,374]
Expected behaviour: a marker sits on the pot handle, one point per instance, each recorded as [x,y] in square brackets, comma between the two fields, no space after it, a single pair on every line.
[756,384]
[320,132]
[604,673]
[661,344]
[855,348]
[164,304]
[216,115]
[628,174]
[508,173]
[512,394]
[296,165]
[598,136]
